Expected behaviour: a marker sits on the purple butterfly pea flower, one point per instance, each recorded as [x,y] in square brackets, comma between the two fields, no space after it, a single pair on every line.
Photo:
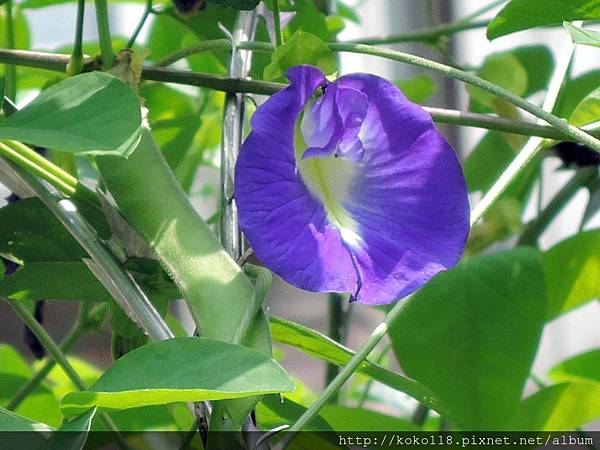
[348,187]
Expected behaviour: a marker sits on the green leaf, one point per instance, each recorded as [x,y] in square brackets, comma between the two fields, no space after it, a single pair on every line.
[418,88]
[237,4]
[309,19]
[205,26]
[587,111]
[583,367]
[471,334]
[93,113]
[583,36]
[359,419]
[503,69]
[301,48]
[274,410]
[562,407]
[574,91]
[10,421]
[29,232]
[73,434]
[538,62]
[174,120]
[1,91]
[524,14]
[40,405]
[181,370]
[54,281]
[315,344]
[572,272]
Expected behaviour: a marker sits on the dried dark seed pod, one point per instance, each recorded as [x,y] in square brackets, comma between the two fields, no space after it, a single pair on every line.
[574,153]
[186,9]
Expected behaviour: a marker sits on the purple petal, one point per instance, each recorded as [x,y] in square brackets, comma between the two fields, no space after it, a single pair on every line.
[381,220]
[286,226]
[330,126]
[408,196]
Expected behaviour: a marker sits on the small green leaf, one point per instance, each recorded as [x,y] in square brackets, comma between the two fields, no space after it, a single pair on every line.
[93,113]
[237,4]
[583,36]
[574,91]
[301,48]
[524,14]
[562,407]
[315,344]
[587,111]
[274,410]
[583,367]
[29,232]
[181,370]
[418,88]
[471,334]
[73,434]
[572,270]
[310,19]
[54,281]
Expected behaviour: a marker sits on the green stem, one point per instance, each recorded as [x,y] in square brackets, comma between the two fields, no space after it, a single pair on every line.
[538,225]
[211,81]
[378,360]
[76,63]
[277,24]
[56,353]
[336,318]
[31,161]
[102,19]
[81,325]
[451,72]
[10,71]
[347,371]
[140,24]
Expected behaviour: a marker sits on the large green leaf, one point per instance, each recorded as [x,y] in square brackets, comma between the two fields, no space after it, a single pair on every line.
[93,113]
[524,14]
[572,270]
[181,370]
[320,346]
[471,335]
[54,281]
[562,407]
[583,367]
[301,48]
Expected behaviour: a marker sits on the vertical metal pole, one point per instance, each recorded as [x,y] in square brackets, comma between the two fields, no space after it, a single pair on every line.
[233,129]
